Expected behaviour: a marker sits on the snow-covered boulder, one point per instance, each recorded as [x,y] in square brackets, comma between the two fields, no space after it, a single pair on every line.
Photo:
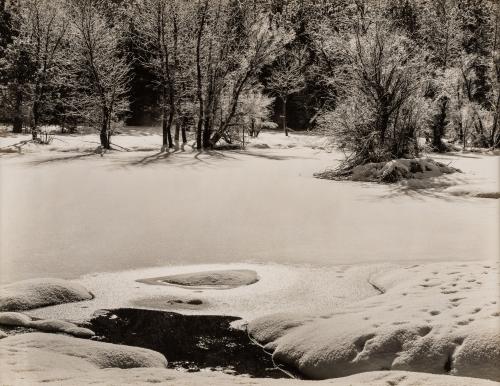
[35,293]
[222,279]
[400,169]
[96,355]
[50,325]
[437,318]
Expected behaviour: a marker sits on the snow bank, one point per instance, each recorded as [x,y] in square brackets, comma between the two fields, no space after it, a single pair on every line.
[224,279]
[147,376]
[400,169]
[34,293]
[437,318]
[82,354]
[50,325]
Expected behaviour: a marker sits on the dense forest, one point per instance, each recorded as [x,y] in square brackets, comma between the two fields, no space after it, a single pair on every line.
[377,75]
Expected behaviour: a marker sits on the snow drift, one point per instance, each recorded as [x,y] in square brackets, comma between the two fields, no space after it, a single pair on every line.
[91,355]
[393,171]
[437,318]
[400,169]
[35,293]
[50,325]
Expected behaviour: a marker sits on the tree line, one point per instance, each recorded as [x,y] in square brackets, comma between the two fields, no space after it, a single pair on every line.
[376,74]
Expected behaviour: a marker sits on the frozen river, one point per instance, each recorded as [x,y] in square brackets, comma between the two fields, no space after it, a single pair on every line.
[65,215]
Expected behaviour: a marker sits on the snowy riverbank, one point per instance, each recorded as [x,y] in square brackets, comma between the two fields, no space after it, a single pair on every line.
[335,278]
[437,317]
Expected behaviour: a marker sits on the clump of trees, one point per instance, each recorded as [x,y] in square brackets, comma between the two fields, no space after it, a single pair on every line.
[377,75]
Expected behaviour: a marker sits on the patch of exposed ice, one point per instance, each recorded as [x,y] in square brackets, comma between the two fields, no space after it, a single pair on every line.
[280,289]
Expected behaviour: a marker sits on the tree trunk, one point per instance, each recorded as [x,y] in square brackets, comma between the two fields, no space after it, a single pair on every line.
[18,114]
[167,136]
[383,122]
[177,131]
[34,121]
[493,137]
[285,128]
[439,127]
[207,132]
[104,134]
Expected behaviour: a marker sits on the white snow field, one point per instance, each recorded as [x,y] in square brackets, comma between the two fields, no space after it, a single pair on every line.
[67,213]
[353,277]
[35,293]
[437,318]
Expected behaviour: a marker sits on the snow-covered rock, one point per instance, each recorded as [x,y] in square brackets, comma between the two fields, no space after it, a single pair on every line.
[400,169]
[34,293]
[50,325]
[14,319]
[436,318]
[38,347]
[223,279]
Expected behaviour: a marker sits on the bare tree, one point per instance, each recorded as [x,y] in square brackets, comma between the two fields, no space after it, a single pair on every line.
[159,24]
[228,57]
[35,56]
[99,74]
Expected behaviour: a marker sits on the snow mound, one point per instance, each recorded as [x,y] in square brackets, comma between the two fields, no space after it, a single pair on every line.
[147,376]
[224,279]
[45,351]
[401,169]
[35,293]
[436,318]
[50,325]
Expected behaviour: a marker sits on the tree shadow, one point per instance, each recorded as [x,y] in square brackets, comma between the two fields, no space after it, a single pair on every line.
[60,159]
[178,158]
[272,157]
[427,188]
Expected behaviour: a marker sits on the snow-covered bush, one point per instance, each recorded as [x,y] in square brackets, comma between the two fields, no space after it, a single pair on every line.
[381,107]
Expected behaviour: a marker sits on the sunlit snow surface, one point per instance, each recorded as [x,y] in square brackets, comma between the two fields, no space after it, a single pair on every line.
[280,288]
[67,211]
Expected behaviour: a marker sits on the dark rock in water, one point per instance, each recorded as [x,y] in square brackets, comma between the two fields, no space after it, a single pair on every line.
[189,342]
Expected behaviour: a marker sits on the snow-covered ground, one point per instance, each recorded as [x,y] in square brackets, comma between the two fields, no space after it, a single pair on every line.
[323,251]
[67,213]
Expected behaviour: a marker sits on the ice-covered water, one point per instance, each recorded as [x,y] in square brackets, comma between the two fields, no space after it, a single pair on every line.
[69,214]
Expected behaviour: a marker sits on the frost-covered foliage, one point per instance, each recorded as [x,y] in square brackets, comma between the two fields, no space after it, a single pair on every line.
[97,72]
[35,293]
[380,110]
